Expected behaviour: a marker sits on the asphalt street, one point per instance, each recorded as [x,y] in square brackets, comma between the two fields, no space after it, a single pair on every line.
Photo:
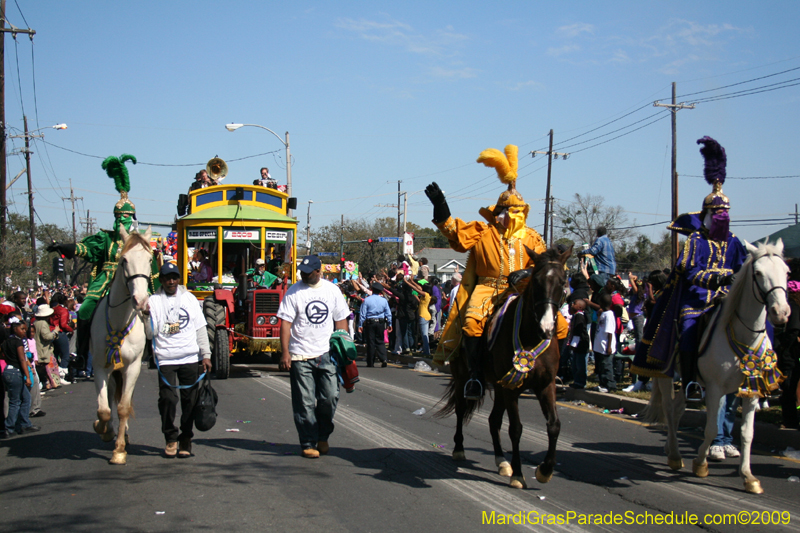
[388,469]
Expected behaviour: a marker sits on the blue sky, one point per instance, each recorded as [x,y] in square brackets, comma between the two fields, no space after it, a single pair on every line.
[376,92]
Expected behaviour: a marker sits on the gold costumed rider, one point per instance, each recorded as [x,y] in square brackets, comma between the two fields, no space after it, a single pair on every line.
[496,249]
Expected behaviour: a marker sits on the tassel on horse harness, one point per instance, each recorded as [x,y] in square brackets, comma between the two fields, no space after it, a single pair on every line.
[524,360]
[758,363]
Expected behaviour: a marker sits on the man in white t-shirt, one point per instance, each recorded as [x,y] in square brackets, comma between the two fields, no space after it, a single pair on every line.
[311,310]
[181,342]
[605,345]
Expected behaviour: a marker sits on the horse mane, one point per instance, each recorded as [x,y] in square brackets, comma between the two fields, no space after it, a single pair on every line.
[743,278]
[134,239]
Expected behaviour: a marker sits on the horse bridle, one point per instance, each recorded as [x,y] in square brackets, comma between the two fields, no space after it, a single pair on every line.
[128,279]
[764,295]
[548,301]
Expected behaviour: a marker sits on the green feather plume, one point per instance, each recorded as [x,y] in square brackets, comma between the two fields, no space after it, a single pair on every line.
[117,171]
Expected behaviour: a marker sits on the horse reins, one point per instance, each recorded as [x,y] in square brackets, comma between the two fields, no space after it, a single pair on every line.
[764,295]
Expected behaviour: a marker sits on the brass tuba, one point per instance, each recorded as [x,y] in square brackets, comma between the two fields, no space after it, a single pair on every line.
[217,169]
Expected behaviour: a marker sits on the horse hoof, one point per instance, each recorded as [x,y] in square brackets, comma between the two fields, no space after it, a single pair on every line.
[504,469]
[459,455]
[518,482]
[700,470]
[677,464]
[753,487]
[118,458]
[540,477]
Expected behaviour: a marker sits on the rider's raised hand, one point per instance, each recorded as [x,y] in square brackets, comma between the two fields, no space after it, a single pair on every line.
[441,211]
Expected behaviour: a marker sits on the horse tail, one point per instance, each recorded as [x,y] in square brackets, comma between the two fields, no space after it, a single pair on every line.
[653,413]
[454,393]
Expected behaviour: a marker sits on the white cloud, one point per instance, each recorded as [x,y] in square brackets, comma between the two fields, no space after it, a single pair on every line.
[562,50]
[451,73]
[442,42]
[524,85]
[574,30]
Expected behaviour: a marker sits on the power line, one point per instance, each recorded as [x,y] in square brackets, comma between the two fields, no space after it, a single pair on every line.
[747,177]
[739,83]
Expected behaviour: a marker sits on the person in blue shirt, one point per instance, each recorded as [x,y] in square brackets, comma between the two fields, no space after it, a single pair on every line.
[375,318]
[603,252]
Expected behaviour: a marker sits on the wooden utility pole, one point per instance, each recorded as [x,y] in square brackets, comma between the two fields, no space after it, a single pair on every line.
[548,210]
[30,191]
[674,107]
[72,198]
[3,205]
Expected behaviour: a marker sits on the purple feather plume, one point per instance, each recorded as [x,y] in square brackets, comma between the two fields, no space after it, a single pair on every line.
[716,160]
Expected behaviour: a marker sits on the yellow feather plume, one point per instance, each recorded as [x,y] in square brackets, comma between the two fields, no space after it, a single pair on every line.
[504,164]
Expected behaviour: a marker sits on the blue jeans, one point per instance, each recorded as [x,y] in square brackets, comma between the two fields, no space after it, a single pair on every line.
[726,417]
[19,400]
[423,333]
[579,368]
[315,393]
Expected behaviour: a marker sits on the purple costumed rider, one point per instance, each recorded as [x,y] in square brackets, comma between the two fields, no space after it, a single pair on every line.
[703,274]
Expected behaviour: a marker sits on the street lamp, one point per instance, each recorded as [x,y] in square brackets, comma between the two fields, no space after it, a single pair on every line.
[234,127]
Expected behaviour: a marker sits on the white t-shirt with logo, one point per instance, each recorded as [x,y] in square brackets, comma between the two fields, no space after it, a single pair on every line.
[607,323]
[178,348]
[312,312]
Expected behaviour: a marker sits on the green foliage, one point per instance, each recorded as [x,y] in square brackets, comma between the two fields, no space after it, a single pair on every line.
[16,259]
[643,255]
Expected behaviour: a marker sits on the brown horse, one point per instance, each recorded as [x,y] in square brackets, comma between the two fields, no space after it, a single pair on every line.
[540,300]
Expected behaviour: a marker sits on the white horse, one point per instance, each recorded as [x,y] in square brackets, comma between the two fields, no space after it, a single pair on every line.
[117,326]
[758,292]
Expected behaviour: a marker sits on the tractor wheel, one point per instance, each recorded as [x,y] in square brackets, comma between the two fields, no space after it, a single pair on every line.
[214,314]
[222,355]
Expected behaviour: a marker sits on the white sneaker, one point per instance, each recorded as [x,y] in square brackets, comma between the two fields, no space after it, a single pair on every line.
[716,454]
[629,388]
[731,451]
[65,382]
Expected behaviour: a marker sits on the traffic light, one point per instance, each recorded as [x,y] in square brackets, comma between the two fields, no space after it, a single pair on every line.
[58,265]
[371,241]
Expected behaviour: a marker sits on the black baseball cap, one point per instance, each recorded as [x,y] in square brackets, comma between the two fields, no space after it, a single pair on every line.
[169,268]
[309,264]
[376,287]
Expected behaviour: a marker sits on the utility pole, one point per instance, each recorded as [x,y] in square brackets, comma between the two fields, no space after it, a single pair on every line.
[13,30]
[88,222]
[548,215]
[308,228]
[72,199]
[552,202]
[674,107]
[399,244]
[405,214]
[796,215]
[30,193]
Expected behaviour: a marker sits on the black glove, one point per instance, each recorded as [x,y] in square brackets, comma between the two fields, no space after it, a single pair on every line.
[519,275]
[67,250]
[440,210]
[719,280]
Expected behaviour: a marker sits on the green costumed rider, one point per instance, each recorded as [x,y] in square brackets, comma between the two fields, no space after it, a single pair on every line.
[102,249]
[261,277]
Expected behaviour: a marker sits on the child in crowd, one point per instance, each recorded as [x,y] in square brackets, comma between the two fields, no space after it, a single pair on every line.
[578,342]
[605,345]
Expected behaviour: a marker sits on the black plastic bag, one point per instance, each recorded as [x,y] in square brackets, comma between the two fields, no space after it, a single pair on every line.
[205,408]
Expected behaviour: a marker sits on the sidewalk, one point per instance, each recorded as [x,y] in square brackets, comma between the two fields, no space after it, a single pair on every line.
[766,436]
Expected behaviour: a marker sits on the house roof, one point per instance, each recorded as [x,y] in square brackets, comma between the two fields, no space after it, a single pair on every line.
[791,240]
[440,257]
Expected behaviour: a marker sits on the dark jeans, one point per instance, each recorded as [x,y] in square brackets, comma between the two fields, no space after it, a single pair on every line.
[604,368]
[61,348]
[789,397]
[315,394]
[406,334]
[373,337]
[19,400]
[168,400]
[578,368]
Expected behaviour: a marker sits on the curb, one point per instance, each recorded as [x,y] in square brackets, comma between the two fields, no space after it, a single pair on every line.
[765,435]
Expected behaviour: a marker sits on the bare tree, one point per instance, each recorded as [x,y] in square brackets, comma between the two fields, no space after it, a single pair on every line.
[579,219]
